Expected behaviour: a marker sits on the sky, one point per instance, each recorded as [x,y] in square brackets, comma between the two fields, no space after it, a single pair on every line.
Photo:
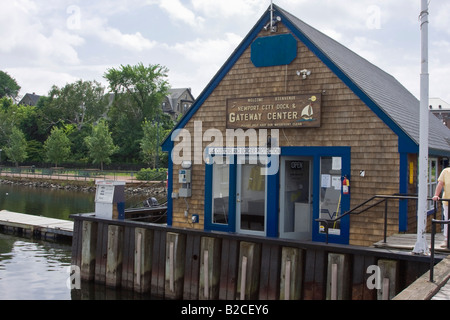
[56,42]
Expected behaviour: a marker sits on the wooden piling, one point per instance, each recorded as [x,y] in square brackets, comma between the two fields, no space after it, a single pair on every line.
[175,265]
[338,277]
[192,268]
[389,279]
[248,275]
[88,250]
[114,256]
[291,278]
[229,262]
[143,259]
[210,268]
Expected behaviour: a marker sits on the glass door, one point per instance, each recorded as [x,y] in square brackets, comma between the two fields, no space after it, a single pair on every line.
[331,194]
[296,205]
[251,186]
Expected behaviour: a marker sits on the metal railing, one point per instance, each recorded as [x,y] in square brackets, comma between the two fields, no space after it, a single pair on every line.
[75,174]
[434,222]
[385,198]
[377,199]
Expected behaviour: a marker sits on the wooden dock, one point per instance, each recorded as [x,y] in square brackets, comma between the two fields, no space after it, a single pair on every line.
[35,225]
[408,241]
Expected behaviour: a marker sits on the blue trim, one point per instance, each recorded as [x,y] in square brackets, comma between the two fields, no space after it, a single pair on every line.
[273,200]
[209,225]
[208,196]
[403,189]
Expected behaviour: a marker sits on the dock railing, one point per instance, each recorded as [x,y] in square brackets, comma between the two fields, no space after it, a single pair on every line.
[435,222]
[367,205]
[378,199]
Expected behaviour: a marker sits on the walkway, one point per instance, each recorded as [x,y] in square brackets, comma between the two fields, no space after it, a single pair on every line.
[36,224]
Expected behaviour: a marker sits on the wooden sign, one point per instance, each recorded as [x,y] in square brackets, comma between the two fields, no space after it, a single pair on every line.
[293,111]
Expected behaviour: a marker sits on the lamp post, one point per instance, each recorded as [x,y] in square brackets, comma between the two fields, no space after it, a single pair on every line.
[421,246]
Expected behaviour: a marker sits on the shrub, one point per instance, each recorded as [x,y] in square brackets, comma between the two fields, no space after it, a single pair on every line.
[152,174]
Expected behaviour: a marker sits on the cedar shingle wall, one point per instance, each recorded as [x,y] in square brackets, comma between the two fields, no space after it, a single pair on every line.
[346,121]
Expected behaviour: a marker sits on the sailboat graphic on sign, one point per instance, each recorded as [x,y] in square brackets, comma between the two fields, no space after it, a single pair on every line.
[308,111]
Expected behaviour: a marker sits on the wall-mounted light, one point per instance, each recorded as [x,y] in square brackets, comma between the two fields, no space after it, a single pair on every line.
[304,73]
[272,24]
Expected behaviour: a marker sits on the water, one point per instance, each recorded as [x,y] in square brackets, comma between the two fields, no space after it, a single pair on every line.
[51,203]
[33,270]
[39,270]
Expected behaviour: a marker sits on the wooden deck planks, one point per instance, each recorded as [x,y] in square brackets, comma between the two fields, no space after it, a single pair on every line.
[36,223]
[407,242]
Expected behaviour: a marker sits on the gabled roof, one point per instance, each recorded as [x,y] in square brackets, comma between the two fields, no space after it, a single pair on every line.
[174,96]
[30,99]
[381,92]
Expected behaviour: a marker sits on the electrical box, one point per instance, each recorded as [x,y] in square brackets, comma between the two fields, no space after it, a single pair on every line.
[110,200]
[184,177]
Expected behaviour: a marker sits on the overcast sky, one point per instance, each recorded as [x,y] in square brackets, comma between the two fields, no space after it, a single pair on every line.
[54,42]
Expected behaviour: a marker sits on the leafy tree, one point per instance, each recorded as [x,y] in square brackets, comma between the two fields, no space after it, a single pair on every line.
[35,151]
[100,144]
[80,103]
[17,145]
[57,146]
[143,87]
[138,94]
[150,143]
[8,86]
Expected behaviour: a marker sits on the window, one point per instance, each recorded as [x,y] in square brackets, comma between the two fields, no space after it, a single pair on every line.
[220,193]
[433,176]
[330,192]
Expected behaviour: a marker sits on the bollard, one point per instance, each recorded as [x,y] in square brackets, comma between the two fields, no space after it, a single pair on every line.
[88,250]
[114,256]
[291,277]
[248,275]
[210,268]
[389,276]
[338,286]
[175,259]
[143,259]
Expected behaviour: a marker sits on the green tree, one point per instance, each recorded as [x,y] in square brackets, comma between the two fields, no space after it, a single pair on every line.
[138,95]
[17,145]
[57,146]
[80,103]
[100,144]
[8,86]
[150,143]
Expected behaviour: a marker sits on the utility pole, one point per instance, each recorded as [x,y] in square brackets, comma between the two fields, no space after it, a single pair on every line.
[421,246]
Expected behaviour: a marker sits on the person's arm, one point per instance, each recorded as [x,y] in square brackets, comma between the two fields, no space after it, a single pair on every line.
[438,191]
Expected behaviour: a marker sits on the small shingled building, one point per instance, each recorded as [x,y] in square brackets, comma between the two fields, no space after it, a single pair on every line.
[345,131]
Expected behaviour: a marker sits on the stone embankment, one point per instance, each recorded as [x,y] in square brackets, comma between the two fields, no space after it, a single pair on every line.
[144,188]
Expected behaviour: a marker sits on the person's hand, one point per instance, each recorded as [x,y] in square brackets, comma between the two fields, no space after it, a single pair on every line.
[436,198]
